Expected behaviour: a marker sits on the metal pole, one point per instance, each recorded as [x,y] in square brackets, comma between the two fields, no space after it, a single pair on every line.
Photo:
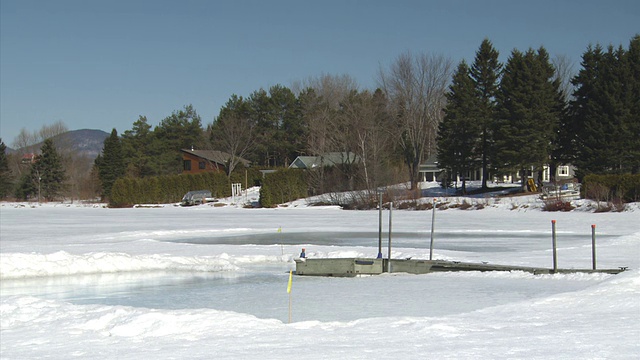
[593,245]
[553,241]
[389,247]
[380,227]
[433,222]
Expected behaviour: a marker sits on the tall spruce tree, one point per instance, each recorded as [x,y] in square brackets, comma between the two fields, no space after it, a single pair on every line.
[110,163]
[459,134]
[605,120]
[485,72]
[6,181]
[528,108]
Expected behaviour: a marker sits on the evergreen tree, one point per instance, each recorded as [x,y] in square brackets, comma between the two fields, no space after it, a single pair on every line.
[459,134]
[605,120]
[47,173]
[485,72]
[633,98]
[6,182]
[529,113]
[288,122]
[135,148]
[181,130]
[233,131]
[278,126]
[110,163]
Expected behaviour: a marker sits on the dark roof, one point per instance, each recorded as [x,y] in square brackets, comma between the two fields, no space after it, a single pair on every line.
[430,165]
[215,156]
[328,159]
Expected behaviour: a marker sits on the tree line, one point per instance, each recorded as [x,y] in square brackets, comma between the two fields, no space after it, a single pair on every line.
[518,116]
[524,114]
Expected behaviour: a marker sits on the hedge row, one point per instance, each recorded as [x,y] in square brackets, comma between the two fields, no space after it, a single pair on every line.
[625,187]
[166,189]
[283,186]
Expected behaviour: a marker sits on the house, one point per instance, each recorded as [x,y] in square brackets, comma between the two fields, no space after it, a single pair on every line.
[328,159]
[429,170]
[198,161]
[28,159]
[563,174]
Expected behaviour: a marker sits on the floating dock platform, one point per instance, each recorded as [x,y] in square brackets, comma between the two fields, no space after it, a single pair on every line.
[351,267]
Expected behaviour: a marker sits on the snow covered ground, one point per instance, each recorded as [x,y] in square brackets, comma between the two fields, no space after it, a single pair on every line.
[209,282]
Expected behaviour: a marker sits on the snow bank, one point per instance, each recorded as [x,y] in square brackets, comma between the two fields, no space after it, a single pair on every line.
[590,323]
[20,265]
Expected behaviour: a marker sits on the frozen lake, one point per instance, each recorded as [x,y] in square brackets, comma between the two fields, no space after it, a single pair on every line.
[257,288]
[206,282]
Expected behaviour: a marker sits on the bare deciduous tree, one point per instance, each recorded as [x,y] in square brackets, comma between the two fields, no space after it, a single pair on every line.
[29,142]
[415,87]
[366,132]
[329,91]
[564,73]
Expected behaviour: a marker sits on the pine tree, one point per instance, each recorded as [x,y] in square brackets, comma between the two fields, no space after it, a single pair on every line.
[528,108]
[47,172]
[181,130]
[485,72]
[6,182]
[459,134]
[111,163]
[135,148]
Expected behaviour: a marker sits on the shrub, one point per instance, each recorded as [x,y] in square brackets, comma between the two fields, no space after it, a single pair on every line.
[282,186]
[557,205]
[625,187]
[466,205]
[166,189]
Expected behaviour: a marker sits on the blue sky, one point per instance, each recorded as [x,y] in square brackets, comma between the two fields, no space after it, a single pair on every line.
[101,64]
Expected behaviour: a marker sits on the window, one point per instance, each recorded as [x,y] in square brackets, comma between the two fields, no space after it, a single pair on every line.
[563,170]
[201,165]
[187,165]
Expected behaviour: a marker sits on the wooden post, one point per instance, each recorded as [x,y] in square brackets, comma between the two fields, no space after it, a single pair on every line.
[433,222]
[593,246]
[553,242]
[380,226]
[389,247]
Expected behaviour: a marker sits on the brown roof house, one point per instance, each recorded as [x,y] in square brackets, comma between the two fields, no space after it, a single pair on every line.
[197,161]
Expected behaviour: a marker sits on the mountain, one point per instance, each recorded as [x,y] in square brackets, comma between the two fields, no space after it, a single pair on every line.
[85,142]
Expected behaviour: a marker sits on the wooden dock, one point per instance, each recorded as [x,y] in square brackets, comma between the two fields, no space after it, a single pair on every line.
[351,267]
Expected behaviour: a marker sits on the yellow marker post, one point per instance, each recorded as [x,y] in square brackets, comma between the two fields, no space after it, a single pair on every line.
[289,292]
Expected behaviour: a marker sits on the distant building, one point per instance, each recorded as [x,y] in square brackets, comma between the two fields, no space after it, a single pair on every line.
[198,161]
[328,159]
[28,159]
[429,170]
